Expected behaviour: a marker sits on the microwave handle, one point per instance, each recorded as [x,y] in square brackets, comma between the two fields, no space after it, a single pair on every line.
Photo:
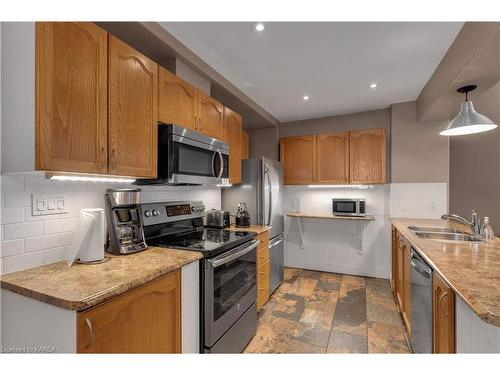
[221,163]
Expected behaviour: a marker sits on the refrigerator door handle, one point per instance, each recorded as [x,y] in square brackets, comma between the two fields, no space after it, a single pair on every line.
[270,201]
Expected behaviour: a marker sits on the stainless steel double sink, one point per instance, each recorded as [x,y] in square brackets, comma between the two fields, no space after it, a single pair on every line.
[443,234]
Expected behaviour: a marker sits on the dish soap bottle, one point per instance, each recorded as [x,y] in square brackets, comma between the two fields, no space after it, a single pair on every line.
[486,230]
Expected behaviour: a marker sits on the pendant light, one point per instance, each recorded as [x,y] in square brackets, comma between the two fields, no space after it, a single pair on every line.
[468,121]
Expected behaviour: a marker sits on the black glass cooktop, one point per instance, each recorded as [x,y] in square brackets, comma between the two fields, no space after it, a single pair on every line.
[209,241]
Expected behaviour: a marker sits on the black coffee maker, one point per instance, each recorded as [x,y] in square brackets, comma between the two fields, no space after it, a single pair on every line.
[123,219]
[242,216]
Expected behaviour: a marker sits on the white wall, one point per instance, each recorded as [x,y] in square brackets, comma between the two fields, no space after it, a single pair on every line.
[29,241]
[334,245]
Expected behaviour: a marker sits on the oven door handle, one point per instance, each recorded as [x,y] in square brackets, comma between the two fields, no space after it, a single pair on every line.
[219,262]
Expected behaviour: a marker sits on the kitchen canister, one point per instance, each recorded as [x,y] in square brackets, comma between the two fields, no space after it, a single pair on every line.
[90,237]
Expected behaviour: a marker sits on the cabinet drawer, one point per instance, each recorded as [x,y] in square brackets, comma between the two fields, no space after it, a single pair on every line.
[262,292]
[264,239]
[263,271]
[262,255]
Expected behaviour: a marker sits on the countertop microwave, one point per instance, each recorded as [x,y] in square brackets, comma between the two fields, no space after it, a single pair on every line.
[349,206]
[186,157]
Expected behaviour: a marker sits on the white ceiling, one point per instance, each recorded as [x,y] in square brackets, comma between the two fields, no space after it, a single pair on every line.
[333,63]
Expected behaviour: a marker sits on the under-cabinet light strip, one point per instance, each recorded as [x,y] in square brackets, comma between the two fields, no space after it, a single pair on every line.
[91,179]
[340,186]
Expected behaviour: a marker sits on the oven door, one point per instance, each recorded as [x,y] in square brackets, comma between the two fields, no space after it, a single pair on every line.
[347,207]
[230,289]
[196,162]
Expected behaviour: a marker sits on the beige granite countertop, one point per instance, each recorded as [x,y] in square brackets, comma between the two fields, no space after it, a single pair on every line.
[80,287]
[471,269]
[252,228]
[312,215]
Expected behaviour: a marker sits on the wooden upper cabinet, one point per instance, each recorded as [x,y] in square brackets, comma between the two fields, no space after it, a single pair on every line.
[71,97]
[443,316]
[133,105]
[245,145]
[210,116]
[232,136]
[177,101]
[144,320]
[367,154]
[333,158]
[298,156]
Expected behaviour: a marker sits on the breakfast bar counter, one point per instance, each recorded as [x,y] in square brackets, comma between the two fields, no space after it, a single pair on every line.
[80,286]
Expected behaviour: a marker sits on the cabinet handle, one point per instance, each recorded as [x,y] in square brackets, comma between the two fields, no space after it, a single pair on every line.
[441,303]
[90,342]
[103,158]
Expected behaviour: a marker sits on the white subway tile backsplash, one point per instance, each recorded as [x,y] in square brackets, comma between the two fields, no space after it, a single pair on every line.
[58,226]
[23,261]
[16,199]
[12,215]
[55,255]
[36,240]
[41,243]
[13,231]
[419,200]
[12,247]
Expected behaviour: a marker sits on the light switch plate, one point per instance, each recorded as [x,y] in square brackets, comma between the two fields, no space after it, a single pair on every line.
[47,204]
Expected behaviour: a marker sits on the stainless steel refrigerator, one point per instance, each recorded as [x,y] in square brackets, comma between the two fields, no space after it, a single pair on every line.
[261,189]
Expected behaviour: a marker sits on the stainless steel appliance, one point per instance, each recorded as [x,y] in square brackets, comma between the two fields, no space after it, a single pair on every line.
[124,224]
[188,157]
[262,190]
[228,316]
[349,206]
[217,219]
[421,304]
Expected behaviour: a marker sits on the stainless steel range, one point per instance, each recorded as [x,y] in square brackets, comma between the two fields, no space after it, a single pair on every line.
[228,316]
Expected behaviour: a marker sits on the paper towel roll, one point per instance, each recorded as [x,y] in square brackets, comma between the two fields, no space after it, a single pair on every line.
[90,236]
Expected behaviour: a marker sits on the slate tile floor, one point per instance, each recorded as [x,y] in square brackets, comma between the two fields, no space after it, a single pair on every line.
[320,312]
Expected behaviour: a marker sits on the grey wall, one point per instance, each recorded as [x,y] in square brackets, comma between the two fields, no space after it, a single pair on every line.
[475,165]
[263,142]
[354,121]
[418,152]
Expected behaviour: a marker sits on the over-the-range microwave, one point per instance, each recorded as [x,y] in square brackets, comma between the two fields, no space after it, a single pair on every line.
[349,206]
[186,157]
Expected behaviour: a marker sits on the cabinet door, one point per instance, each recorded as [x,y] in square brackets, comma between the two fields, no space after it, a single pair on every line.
[333,158]
[406,287]
[394,263]
[245,145]
[133,105]
[367,152]
[443,316]
[143,320]
[71,97]
[298,156]
[210,116]
[400,272]
[176,101]
[232,136]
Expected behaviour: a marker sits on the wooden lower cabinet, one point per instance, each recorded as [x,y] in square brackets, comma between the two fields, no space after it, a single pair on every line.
[401,277]
[144,320]
[263,269]
[443,317]
[406,287]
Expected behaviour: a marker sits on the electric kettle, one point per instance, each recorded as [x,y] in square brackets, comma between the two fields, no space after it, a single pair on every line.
[242,216]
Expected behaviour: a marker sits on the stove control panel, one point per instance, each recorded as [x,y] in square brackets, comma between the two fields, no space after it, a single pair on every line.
[165,212]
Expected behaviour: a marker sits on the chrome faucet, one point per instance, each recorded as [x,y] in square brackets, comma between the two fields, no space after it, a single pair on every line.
[473,224]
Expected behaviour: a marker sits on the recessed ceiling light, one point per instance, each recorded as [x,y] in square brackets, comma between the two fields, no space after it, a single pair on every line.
[373,85]
[259,27]
[305,97]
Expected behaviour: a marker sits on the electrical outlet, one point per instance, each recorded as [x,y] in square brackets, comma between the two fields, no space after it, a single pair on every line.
[47,204]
